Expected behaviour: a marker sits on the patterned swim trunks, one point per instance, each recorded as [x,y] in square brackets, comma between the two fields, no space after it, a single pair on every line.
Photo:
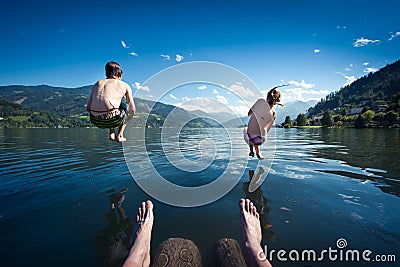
[255,140]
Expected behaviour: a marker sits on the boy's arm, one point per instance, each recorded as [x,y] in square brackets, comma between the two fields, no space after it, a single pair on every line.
[89,103]
[129,100]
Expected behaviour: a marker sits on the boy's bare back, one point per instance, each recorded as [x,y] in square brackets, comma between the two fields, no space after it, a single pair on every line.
[107,95]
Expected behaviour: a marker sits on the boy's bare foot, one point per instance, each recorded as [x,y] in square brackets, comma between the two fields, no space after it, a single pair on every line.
[251,154]
[251,234]
[260,157]
[139,254]
[121,139]
[112,135]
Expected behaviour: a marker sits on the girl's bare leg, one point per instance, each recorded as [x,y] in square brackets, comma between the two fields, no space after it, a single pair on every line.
[259,156]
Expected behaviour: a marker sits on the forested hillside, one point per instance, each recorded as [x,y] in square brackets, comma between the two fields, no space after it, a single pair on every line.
[375,92]
[47,106]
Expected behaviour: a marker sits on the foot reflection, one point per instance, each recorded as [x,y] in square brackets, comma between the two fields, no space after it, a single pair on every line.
[114,241]
[260,201]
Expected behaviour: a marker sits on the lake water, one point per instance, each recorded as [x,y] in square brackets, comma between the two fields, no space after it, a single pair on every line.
[323,185]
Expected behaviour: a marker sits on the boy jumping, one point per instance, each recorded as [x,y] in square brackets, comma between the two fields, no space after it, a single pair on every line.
[105,106]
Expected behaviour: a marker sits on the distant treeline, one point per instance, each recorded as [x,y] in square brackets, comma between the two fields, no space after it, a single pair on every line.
[17,116]
[373,100]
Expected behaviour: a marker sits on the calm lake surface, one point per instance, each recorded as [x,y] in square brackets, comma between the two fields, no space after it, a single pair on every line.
[324,184]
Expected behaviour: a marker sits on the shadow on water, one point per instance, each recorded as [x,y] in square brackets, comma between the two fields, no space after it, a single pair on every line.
[114,241]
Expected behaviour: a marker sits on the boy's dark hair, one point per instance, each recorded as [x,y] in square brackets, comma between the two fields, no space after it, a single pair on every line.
[113,70]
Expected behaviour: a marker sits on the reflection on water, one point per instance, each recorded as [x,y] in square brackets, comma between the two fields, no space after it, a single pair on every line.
[115,240]
[261,203]
[324,184]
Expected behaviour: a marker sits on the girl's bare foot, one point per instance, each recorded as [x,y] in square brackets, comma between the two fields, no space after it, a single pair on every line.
[139,254]
[251,234]
[260,157]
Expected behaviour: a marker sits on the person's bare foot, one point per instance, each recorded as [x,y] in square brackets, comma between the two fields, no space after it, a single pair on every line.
[139,254]
[260,157]
[113,135]
[251,234]
[121,139]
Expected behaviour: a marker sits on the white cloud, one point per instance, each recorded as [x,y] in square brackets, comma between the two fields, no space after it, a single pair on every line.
[167,57]
[239,90]
[222,99]
[347,69]
[145,88]
[341,27]
[186,99]
[300,94]
[368,70]
[178,58]
[173,96]
[241,110]
[202,87]
[124,44]
[365,63]
[302,84]
[316,51]
[394,35]
[210,105]
[133,54]
[363,42]
[349,79]
[215,92]
[138,86]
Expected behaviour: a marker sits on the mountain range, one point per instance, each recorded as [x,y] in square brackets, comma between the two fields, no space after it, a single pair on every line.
[66,104]
[70,103]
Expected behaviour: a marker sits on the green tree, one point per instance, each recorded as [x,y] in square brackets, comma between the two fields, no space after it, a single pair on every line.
[287,121]
[327,119]
[368,115]
[391,117]
[302,120]
[380,117]
[360,122]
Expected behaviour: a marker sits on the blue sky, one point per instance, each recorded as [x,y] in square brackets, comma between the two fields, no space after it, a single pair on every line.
[315,46]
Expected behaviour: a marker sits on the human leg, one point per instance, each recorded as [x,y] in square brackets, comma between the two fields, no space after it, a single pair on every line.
[259,156]
[120,137]
[139,254]
[112,134]
[251,234]
[251,154]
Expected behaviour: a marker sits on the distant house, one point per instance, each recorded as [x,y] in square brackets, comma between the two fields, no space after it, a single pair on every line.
[354,111]
[317,119]
[382,107]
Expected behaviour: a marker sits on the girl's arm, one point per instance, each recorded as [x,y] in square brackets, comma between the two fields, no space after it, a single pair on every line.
[269,125]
